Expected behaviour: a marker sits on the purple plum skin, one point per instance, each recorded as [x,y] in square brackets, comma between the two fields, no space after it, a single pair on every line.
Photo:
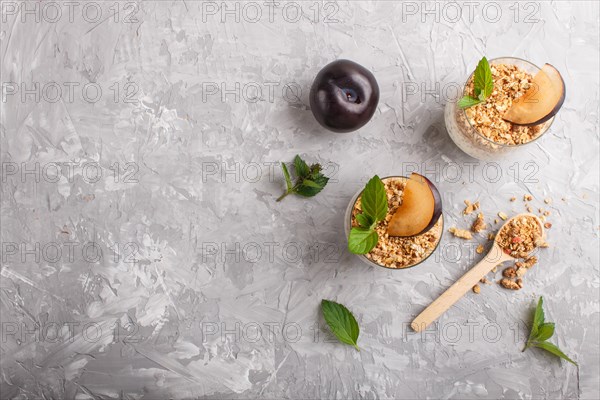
[554,111]
[437,209]
[344,96]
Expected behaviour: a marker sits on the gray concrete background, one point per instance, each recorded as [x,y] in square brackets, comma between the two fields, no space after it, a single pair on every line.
[156,262]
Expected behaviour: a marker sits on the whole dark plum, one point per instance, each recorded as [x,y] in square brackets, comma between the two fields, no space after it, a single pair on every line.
[344,96]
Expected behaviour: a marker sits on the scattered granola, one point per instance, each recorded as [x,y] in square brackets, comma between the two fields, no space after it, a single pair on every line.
[547,200]
[399,252]
[485,280]
[510,82]
[478,224]
[509,272]
[519,282]
[520,236]
[542,243]
[528,263]
[470,207]
[508,284]
[461,233]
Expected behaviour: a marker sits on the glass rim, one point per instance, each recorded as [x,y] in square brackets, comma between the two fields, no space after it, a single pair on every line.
[363,257]
[464,111]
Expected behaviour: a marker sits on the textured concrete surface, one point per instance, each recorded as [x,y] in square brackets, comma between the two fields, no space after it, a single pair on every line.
[144,255]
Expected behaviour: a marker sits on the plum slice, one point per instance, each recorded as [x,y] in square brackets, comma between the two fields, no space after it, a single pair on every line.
[541,101]
[420,209]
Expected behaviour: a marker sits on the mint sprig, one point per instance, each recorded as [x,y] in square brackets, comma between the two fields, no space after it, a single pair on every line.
[374,200]
[309,181]
[541,331]
[483,85]
[362,240]
[374,204]
[341,322]
[468,101]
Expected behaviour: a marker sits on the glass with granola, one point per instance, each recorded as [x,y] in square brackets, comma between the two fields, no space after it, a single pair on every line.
[518,109]
[409,229]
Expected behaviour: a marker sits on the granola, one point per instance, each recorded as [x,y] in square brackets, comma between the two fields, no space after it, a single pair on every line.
[509,272]
[521,272]
[478,224]
[508,284]
[520,236]
[519,283]
[393,251]
[510,82]
[470,207]
[461,233]
[528,263]
[521,267]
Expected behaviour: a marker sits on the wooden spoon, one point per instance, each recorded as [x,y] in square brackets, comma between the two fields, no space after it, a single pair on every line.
[494,257]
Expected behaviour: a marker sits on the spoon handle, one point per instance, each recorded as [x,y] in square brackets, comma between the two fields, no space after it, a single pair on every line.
[459,288]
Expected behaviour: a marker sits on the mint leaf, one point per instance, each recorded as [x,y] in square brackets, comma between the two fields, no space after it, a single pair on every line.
[362,240]
[374,199]
[311,184]
[364,220]
[375,207]
[341,322]
[483,83]
[554,350]
[302,169]
[541,331]
[538,320]
[538,317]
[286,174]
[309,181]
[309,188]
[468,101]
[545,332]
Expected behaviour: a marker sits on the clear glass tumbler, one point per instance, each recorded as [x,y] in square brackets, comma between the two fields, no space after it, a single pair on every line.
[469,139]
